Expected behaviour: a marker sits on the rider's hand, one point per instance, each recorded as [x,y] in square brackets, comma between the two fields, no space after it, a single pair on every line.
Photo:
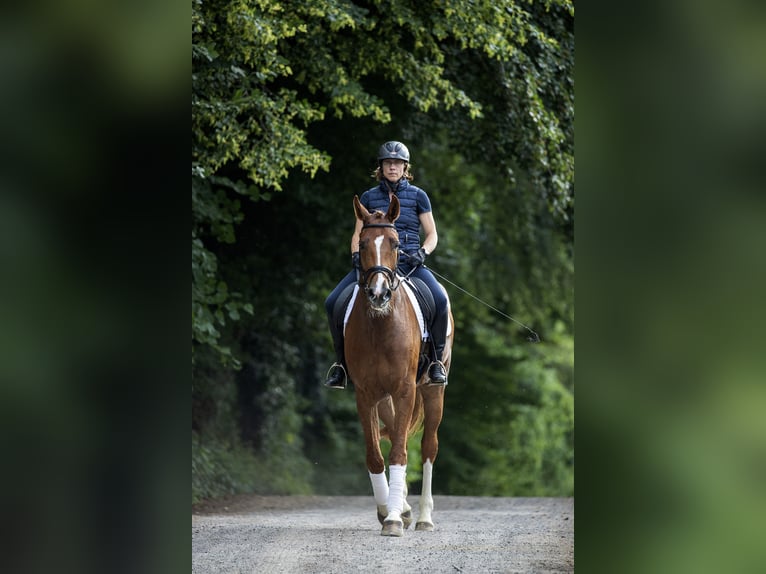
[355,261]
[417,257]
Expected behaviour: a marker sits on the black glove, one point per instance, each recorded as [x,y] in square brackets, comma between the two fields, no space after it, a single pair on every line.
[355,262]
[417,257]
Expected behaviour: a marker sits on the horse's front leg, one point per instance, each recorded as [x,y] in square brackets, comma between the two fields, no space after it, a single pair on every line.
[387,416]
[368,416]
[393,525]
[406,514]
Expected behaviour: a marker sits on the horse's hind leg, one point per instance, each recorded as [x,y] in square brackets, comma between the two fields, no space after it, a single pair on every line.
[433,401]
[386,414]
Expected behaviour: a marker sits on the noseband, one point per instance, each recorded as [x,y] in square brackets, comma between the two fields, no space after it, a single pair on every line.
[364,277]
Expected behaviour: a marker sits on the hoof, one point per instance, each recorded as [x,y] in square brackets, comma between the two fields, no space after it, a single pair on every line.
[424,526]
[407,519]
[392,528]
[382,518]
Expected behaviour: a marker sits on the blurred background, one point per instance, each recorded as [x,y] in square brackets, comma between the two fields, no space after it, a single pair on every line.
[670,271]
[670,276]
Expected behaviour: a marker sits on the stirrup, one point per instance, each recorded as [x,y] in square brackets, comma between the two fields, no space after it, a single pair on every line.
[335,382]
[431,382]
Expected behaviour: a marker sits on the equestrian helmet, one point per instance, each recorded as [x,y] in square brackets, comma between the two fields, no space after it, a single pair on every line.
[393,150]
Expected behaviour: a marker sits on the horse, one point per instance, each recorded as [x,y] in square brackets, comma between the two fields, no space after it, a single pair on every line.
[383,340]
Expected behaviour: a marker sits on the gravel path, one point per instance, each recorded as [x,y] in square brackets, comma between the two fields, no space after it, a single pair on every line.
[338,534]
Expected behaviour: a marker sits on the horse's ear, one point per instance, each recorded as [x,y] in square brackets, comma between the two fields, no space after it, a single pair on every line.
[360,210]
[393,209]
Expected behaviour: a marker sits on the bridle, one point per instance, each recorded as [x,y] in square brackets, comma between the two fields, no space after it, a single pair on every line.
[364,275]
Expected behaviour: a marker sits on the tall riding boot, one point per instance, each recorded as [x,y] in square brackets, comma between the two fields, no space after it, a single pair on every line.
[437,372]
[336,376]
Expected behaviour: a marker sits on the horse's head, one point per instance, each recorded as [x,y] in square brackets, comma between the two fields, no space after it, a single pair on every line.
[378,254]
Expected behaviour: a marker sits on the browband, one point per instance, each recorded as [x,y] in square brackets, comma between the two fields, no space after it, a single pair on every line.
[366,225]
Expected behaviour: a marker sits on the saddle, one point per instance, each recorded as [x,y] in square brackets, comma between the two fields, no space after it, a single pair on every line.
[424,300]
[427,305]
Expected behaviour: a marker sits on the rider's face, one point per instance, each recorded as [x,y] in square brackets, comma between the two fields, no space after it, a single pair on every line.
[393,169]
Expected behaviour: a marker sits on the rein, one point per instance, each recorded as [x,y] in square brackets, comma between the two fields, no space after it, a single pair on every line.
[534,338]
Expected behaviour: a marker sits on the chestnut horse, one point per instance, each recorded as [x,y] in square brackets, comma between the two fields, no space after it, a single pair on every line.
[383,341]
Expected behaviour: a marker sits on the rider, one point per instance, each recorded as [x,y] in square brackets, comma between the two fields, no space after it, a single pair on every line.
[394,178]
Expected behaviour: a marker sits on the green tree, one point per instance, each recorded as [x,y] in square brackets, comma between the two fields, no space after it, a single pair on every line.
[263,71]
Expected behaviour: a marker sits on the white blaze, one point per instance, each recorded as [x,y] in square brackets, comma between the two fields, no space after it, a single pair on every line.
[377,289]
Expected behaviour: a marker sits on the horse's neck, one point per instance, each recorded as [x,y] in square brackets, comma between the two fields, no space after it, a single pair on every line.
[395,333]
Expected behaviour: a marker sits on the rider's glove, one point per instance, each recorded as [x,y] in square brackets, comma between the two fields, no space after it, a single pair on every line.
[417,257]
[355,262]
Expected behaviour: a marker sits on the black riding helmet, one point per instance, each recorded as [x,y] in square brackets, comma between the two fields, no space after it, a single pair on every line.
[393,150]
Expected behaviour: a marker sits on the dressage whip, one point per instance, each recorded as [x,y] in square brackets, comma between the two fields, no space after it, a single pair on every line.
[535,338]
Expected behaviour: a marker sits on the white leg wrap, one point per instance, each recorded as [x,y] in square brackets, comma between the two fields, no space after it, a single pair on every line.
[379,488]
[398,474]
[426,500]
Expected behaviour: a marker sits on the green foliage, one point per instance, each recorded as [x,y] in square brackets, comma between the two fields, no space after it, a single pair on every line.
[335,446]
[514,428]
[220,468]
[255,92]
[223,461]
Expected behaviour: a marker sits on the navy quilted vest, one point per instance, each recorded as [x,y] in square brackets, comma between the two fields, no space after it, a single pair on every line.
[412,200]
